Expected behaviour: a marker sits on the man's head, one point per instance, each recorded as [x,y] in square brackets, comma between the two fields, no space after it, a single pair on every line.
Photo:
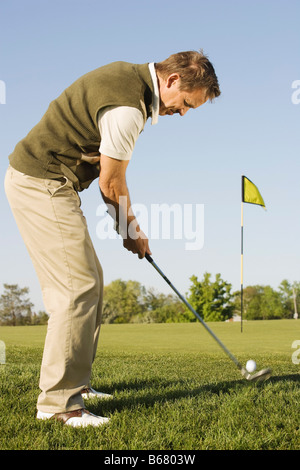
[186,80]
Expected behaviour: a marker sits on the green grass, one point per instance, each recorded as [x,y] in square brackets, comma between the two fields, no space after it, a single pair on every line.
[173,387]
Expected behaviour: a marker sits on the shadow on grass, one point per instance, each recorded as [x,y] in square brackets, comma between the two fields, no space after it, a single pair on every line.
[290,378]
[150,392]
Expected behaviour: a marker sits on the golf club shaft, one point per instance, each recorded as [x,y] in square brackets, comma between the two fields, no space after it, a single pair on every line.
[229,354]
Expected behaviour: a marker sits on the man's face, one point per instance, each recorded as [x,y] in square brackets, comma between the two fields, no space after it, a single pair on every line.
[176,101]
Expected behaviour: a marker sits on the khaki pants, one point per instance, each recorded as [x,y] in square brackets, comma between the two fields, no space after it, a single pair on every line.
[54,230]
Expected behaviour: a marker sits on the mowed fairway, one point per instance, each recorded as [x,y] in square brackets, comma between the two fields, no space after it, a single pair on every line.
[173,387]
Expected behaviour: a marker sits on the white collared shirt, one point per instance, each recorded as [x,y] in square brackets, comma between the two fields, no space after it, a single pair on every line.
[120,126]
[155,98]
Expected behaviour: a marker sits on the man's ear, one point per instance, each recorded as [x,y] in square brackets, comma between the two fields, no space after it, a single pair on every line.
[172,79]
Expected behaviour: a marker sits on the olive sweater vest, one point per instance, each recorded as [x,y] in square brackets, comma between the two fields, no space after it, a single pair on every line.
[69,128]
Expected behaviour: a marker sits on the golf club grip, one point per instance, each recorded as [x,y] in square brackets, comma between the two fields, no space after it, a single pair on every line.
[148,258]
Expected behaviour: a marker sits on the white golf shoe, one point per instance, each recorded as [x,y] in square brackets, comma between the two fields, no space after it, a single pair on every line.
[76,418]
[89,392]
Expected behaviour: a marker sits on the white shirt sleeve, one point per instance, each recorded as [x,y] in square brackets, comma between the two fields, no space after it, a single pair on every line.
[119,128]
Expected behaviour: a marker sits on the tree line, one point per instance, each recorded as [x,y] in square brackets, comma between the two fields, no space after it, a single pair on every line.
[16,308]
[131,302]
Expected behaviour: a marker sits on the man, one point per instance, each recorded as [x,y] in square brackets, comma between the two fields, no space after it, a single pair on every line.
[89,132]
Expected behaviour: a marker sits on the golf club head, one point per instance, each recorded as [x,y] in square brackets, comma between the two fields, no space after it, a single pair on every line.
[260,376]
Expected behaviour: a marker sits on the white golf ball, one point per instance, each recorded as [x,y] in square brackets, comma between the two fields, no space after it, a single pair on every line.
[251,366]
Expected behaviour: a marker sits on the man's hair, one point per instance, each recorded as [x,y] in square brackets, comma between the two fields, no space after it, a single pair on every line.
[195,71]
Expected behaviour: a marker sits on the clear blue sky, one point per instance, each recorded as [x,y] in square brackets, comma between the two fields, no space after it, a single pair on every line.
[252,129]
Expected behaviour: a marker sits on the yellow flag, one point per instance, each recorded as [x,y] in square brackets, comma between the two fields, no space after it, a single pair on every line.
[250,193]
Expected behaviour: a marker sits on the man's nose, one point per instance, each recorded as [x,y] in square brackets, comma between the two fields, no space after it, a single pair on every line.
[183,111]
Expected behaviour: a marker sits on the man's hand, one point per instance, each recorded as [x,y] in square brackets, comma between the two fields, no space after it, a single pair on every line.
[139,246]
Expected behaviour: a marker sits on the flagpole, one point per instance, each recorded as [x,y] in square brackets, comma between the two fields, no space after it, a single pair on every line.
[242,253]
[251,195]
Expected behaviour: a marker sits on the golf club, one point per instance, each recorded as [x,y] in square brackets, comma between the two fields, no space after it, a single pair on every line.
[262,375]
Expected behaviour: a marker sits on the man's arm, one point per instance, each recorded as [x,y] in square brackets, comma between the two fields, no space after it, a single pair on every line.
[114,190]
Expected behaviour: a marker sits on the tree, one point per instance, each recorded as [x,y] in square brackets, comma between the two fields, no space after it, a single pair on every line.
[130,302]
[173,312]
[211,300]
[289,294]
[121,301]
[15,307]
[40,318]
[155,300]
[264,304]
[296,298]
[161,308]
[271,304]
